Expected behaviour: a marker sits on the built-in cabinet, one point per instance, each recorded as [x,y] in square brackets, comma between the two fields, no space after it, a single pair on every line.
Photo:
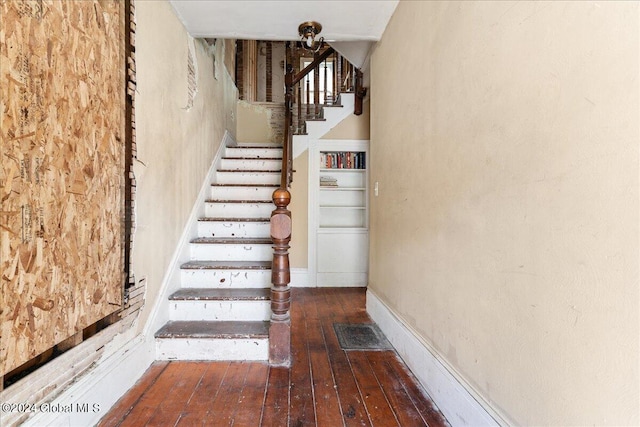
[339,212]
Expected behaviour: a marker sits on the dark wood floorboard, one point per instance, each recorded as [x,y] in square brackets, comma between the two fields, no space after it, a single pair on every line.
[301,409]
[325,386]
[223,408]
[401,404]
[207,389]
[276,403]
[131,399]
[351,401]
[252,397]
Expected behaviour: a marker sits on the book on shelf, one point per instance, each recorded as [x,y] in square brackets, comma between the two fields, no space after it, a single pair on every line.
[342,160]
[328,181]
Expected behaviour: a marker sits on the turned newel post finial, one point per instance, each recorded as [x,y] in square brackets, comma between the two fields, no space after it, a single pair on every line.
[280,329]
[281,198]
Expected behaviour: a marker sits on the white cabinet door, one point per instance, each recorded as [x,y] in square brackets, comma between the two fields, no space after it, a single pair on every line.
[343,259]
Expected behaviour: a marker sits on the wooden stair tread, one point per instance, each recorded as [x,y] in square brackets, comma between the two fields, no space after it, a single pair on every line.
[249,170]
[216,219]
[233,240]
[215,184]
[213,329]
[252,158]
[208,294]
[238,201]
[275,147]
[226,265]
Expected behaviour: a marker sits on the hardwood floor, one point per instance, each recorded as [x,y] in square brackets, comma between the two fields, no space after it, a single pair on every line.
[325,386]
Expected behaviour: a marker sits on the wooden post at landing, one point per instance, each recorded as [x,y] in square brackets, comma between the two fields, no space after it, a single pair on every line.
[360,93]
[280,327]
[316,88]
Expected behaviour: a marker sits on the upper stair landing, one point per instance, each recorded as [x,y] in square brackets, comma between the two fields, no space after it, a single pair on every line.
[316,129]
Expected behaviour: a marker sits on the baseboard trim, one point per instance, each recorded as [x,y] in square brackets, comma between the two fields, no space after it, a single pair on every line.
[455,399]
[92,396]
[300,278]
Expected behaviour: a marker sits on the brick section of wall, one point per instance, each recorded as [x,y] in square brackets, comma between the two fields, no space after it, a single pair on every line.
[131,156]
[269,72]
[240,68]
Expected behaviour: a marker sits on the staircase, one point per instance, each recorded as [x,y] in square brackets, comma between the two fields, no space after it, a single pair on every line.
[222,310]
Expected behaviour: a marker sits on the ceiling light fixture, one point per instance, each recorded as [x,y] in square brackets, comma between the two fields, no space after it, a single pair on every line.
[308,32]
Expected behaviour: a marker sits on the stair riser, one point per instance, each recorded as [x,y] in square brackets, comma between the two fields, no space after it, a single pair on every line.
[253,152]
[210,278]
[231,252]
[212,349]
[242,193]
[238,210]
[314,128]
[257,164]
[220,310]
[233,229]
[334,114]
[248,178]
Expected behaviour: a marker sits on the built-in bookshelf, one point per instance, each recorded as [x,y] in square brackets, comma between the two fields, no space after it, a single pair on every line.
[340,203]
[343,189]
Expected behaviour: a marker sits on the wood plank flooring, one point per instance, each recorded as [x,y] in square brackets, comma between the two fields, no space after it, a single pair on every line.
[325,386]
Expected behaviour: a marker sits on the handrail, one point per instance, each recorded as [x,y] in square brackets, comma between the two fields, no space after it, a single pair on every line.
[309,68]
[285,177]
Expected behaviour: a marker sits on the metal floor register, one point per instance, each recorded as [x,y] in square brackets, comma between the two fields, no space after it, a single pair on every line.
[361,336]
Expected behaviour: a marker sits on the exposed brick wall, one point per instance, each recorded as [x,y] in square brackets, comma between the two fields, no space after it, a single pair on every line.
[269,71]
[131,154]
[239,68]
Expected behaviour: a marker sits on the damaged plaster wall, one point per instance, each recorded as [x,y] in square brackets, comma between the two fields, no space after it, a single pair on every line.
[177,138]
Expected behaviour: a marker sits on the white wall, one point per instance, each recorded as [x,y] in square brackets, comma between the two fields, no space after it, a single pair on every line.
[504,139]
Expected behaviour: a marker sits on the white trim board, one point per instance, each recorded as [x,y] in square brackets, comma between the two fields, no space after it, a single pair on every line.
[300,278]
[91,398]
[96,372]
[459,403]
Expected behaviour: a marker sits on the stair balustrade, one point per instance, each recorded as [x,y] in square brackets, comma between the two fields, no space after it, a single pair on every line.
[299,87]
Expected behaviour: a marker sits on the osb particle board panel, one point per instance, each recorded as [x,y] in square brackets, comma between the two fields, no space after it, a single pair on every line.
[61,171]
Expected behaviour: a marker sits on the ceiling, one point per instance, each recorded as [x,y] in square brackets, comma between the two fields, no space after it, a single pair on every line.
[350,20]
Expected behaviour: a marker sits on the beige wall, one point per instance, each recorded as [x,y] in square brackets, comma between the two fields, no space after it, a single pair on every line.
[299,208]
[260,122]
[353,127]
[505,141]
[175,145]
[253,123]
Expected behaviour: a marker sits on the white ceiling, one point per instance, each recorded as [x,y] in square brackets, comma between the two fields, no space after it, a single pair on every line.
[350,20]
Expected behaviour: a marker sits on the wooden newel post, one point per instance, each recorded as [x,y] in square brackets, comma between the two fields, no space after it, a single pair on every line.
[360,93]
[280,328]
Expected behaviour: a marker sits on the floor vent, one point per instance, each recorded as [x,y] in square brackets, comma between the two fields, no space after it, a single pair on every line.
[361,336]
